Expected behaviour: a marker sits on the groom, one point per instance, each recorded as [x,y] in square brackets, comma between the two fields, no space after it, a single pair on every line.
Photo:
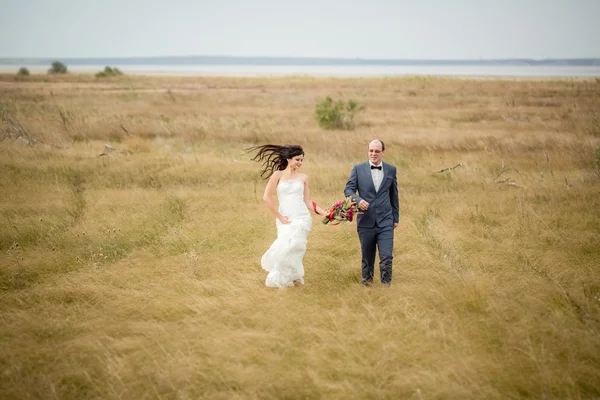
[377,197]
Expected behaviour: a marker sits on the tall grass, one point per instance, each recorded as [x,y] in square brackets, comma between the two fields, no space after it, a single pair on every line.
[136,274]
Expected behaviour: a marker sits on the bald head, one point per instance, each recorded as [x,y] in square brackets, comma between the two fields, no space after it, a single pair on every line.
[377,141]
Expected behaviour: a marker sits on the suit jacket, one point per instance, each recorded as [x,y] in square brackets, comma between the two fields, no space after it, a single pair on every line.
[384,206]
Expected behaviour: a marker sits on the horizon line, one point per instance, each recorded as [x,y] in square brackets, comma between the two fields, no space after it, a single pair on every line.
[478,59]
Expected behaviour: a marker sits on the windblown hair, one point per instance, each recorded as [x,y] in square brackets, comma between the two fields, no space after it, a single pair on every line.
[274,157]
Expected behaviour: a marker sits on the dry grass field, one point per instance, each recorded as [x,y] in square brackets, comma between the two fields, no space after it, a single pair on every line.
[132,271]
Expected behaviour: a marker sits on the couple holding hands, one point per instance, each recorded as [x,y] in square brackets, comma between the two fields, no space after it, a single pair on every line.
[372,185]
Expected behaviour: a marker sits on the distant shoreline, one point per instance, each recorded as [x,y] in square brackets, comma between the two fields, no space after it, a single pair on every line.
[317,67]
[335,71]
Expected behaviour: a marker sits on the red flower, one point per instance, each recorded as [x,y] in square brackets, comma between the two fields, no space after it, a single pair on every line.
[349,215]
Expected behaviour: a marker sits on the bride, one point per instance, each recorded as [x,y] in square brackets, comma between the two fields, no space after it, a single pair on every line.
[283,260]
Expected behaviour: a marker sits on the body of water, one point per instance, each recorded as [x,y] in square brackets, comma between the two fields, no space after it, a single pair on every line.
[539,71]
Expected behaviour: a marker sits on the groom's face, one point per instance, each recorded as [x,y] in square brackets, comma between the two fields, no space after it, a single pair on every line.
[375,152]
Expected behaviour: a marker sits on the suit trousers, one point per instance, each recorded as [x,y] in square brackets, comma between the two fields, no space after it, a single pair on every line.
[381,239]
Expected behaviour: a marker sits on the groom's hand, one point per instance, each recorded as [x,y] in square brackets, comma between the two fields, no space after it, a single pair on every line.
[363,205]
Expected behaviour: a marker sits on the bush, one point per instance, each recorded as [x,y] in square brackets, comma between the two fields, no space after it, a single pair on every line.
[58,68]
[108,71]
[23,72]
[337,115]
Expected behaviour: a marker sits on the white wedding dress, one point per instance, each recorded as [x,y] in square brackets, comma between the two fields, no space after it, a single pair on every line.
[283,259]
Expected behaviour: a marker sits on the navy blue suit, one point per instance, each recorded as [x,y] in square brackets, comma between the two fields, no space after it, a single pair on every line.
[376,225]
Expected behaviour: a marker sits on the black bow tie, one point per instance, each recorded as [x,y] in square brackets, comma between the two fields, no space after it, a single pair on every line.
[374,167]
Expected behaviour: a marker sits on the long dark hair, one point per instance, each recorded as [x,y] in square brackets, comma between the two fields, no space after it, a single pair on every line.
[274,157]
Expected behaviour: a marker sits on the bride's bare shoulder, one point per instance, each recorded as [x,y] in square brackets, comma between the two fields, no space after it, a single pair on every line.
[274,178]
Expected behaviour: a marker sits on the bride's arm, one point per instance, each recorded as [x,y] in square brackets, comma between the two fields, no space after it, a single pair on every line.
[268,197]
[308,201]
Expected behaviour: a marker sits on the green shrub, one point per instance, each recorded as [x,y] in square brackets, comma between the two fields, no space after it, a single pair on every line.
[57,68]
[23,71]
[108,71]
[337,115]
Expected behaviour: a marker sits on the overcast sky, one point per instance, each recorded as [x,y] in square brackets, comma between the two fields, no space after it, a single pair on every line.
[415,29]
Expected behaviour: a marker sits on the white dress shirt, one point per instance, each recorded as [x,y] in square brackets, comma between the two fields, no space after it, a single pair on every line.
[377,175]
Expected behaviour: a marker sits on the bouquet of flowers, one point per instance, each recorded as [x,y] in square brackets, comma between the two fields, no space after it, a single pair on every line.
[342,211]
